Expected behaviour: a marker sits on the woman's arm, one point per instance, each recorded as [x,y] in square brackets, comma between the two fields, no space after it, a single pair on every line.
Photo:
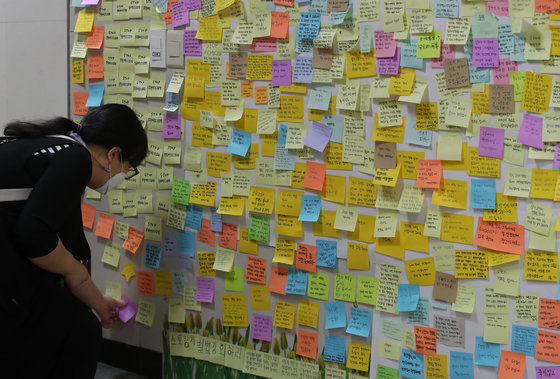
[60,261]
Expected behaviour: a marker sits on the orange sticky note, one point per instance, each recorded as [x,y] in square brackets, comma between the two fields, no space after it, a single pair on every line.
[246,88]
[429,174]
[549,313]
[95,37]
[278,279]
[135,238]
[206,234]
[104,226]
[500,236]
[512,365]
[145,282]
[426,340]
[279,24]
[256,270]
[307,344]
[88,215]
[306,257]
[261,95]
[228,236]
[80,100]
[286,3]
[315,173]
[548,346]
[96,65]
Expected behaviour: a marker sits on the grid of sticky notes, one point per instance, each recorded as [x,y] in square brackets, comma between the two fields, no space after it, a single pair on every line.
[293,171]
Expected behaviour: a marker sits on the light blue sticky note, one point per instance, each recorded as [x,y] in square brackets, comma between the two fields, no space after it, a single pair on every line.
[461,365]
[359,323]
[421,315]
[418,137]
[153,254]
[161,5]
[303,71]
[408,296]
[447,8]
[240,142]
[524,339]
[337,18]
[335,315]
[411,364]
[505,39]
[185,261]
[296,283]
[440,304]
[95,95]
[337,125]
[169,244]
[282,134]
[408,56]
[180,280]
[483,194]
[335,349]
[326,253]
[309,25]
[319,96]
[215,220]
[304,46]
[284,159]
[487,353]
[194,217]
[310,208]
[186,242]
[365,38]
[318,6]
[518,54]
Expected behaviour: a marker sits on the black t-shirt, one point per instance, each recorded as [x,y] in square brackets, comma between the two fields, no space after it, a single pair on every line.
[58,170]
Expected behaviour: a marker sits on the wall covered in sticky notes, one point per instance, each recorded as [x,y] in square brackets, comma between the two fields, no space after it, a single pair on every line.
[336,187]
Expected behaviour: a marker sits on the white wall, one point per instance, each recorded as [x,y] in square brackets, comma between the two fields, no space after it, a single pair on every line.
[33,62]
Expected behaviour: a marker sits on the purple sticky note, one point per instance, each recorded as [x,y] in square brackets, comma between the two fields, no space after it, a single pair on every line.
[193,4]
[491,142]
[204,289]
[530,133]
[548,372]
[262,327]
[191,45]
[318,136]
[179,14]
[171,125]
[215,220]
[557,155]
[486,52]
[128,311]
[389,66]
[281,72]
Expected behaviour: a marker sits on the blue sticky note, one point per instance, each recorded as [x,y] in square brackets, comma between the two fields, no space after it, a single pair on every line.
[185,261]
[359,323]
[169,244]
[335,349]
[418,137]
[320,97]
[309,25]
[282,134]
[487,353]
[240,142]
[411,364]
[421,315]
[326,253]
[483,194]
[335,315]
[95,95]
[408,56]
[284,159]
[447,8]
[186,242]
[194,217]
[524,339]
[506,42]
[303,71]
[180,280]
[304,46]
[310,208]
[215,220]
[461,365]
[153,255]
[408,296]
[337,124]
[296,283]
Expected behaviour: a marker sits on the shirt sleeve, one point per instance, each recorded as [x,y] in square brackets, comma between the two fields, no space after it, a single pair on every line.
[56,192]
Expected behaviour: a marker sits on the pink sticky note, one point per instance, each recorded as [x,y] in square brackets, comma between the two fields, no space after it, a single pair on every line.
[447,52]
[128,311]
[90,2]
[557,155]
[262,327]
[171,125]
[191,45]
[193,4]
[491,142]
[498,7]
[204,289]
[385,44]
[281,72]
[389,66]
[179,14]
[267,44]
[530,133]
[486,52]
[501,73]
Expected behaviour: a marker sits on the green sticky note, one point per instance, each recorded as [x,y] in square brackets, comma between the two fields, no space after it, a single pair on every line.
[234,279]
[429,44]
[496,329]
[391,328]
[345,287]
[259,228]
[318,286]
[385,372]
[181,191]
[367,290]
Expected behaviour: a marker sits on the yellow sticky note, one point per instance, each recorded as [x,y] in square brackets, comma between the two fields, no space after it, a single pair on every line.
[234,309]
[204,194]
[208,29]
[478,165]
[389,349]
[541,265]
[436,366]
[452,193]
[496,258]
[291,109]
[113,289]
[176,311]
[358,356]
[260,299]
[146,313]
[413,238]
[543,183]
[205,260]
[231,205]
[128,270]
[247,245]
[358,256]
[387,176]
[284,251]
[164,283]
[359,65]
[536,92]
[261,199]
[289,202]
[364,229]
[308,313]
[472,264]
[466,298]
[346,217]
[284,315]
[289,226]
[506,209]
[421,271]
[497,329]
[84,23]
[390,246]
[324,226]
[457,228]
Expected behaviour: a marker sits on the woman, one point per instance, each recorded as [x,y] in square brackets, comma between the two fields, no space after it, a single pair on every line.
[46,292]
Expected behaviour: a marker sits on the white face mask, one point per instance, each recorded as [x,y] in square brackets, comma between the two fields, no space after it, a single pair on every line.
[112,183]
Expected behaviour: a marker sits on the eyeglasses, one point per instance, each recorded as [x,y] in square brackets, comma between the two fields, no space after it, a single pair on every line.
[131,173]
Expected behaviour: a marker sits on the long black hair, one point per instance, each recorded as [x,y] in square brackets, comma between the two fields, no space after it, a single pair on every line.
[109,126]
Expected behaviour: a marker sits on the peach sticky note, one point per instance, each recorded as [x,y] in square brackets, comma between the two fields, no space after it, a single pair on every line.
[512,365]
[135,238]
[548,346]
[278,279]
[104,226]
[314,175]
[95,37]
[306,257]
[500,236]
[426,340]
[88,215]
[256,270]
[80,100]
[429,174]
[307,344]
[228,237]
[145,281]
[96,67]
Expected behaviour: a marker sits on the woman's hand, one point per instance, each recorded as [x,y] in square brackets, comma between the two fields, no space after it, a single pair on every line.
[107,311]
